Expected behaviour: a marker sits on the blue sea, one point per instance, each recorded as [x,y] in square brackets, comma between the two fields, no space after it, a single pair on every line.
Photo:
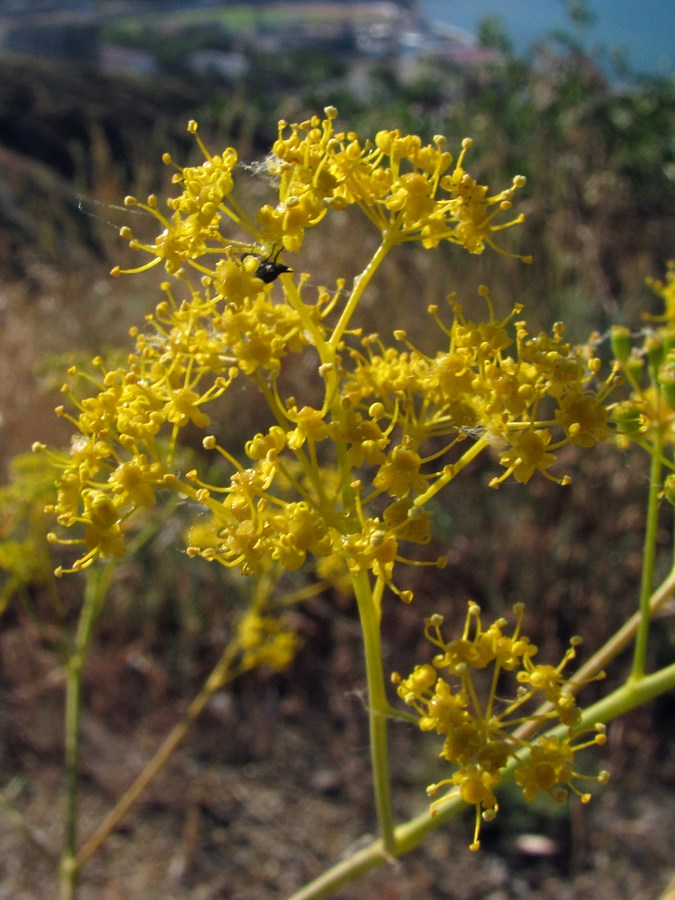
[644,29]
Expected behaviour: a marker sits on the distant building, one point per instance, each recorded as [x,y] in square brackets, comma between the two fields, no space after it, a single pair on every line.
[127,60]
[227,65]
[356,31]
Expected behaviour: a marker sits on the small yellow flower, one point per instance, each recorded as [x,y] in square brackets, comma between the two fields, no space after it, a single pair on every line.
[24,548]
[528,455]
[400,474]
[136,481]
[584,417]
[310,425]
[647,416]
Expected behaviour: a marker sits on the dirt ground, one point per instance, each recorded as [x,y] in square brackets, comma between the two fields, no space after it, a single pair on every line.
[272,786]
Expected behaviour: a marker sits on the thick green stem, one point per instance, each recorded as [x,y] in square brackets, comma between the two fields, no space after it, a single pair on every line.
[648,557]
[610,650]
[622,638]
[410,834]
[369,612]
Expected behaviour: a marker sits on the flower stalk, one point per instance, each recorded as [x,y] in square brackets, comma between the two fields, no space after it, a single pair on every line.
[648,560]
[368,601]
[96,590]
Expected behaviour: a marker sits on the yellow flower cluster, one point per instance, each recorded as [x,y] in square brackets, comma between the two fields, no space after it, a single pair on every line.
[647,417]
[407,189]
[24,552]
[511,391]
[461,696]
[346,477]
[265,640]
[391,405]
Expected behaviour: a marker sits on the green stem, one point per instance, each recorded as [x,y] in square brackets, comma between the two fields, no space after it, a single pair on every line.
[451,471]
[96,589]
[226,670]
[410,834]
[648,557]
[369,612]
[295,300]
[361,282]
[622,638]
[628,696]
[609,651]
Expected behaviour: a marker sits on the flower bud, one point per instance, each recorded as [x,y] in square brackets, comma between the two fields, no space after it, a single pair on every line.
[619,337]
[666,380]
[669,489]
[628,418]
[634,366]
[655,351]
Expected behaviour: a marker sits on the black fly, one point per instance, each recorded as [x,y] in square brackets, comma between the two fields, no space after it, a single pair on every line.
[270,269]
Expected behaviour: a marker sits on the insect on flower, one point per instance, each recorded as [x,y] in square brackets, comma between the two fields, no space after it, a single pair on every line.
[270,269]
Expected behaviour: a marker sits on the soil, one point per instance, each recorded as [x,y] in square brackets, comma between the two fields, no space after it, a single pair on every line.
[272,786]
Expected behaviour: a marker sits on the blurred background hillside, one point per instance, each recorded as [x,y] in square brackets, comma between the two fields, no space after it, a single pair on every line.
[91,95]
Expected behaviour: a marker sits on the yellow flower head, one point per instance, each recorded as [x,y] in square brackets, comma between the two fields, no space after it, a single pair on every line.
[400,183]
[482,728]
[647,416]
